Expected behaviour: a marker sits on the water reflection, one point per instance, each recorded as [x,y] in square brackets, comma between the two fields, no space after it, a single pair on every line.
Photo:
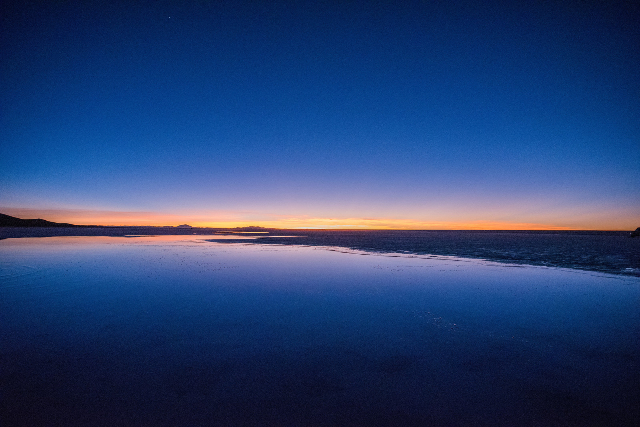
[177,330]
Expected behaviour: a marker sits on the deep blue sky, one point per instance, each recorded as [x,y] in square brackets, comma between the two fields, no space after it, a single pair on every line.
[432,113]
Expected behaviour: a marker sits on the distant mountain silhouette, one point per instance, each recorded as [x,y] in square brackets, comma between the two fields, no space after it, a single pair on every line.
[635,233]
[11,221]
[253,228]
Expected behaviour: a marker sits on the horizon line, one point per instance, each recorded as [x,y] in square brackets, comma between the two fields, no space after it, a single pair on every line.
[300,222]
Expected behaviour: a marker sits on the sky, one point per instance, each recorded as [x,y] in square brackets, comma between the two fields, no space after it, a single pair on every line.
[322,114]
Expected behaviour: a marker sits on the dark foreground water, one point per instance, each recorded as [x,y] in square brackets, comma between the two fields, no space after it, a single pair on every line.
[181,331]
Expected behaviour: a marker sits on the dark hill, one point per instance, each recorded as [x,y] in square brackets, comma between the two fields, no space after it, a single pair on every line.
[11,221]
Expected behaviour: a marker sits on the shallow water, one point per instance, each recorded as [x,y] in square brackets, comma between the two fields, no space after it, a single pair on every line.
[176,330]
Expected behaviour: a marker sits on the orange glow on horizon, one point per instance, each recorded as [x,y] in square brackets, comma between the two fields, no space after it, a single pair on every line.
[233,219]
[379,224]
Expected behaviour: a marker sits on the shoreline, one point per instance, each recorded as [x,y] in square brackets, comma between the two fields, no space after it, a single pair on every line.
[609,252]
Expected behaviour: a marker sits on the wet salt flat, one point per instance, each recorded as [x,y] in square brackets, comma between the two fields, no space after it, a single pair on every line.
[178,330]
